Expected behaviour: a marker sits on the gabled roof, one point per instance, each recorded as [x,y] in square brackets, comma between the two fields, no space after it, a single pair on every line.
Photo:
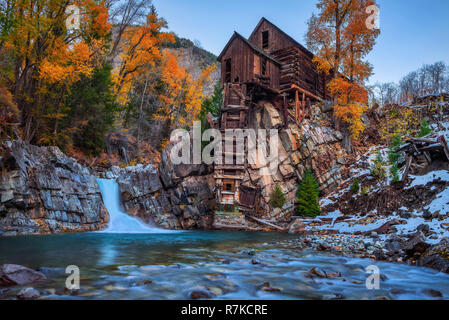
[257,50]
[280,30]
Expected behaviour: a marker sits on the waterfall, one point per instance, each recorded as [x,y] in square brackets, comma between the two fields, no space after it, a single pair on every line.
[119,221]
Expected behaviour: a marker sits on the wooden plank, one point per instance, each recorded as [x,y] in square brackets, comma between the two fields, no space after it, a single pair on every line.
[294,86]
[445,146]
[407,168]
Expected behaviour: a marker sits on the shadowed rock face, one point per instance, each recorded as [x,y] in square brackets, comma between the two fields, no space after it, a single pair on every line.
[310,145]
[173,197]
[44,191]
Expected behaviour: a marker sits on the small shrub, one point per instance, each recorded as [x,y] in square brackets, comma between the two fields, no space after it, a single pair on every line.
[393,155]
[365,191]
[394,173]
[277,197]
[307,196]
[355,186]
[377,168]
[424,129]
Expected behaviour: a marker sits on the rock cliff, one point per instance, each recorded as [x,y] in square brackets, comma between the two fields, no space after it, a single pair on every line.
[171,197]
[311,145]
[44,191]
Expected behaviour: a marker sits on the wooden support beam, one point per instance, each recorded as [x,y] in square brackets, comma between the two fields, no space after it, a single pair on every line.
[298,108]
[294,86]
[303,106]
[285,111]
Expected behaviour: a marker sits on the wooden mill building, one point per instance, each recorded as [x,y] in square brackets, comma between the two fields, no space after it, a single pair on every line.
[269,63]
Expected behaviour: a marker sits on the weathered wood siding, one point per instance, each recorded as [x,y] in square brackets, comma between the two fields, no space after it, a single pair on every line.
[277,39]
[242,58]
[297,68]
[297,62]
[245,63]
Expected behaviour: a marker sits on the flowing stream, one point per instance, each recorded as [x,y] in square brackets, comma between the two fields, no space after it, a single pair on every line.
[131,260]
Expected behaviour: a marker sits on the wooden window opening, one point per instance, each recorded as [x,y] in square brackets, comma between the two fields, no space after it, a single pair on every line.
[228,70]
[229,186]
[265,40]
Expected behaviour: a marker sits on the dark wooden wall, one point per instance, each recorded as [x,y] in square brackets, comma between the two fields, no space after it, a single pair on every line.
[277,39]
[246,63]
[297,68]
[297,62]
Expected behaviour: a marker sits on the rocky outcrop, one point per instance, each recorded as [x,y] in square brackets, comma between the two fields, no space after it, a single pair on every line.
[171,197]
[44,191]
[311,145]
[437,256]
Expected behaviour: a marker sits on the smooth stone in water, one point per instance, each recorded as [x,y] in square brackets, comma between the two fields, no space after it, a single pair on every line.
[28,294]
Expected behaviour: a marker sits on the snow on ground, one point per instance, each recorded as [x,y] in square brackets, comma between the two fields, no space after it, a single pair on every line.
[439,204]
[425,179]
[358,224]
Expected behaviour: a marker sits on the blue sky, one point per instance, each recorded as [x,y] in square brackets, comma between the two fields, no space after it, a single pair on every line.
[413,32]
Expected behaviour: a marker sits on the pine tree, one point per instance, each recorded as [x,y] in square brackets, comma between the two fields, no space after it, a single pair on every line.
[277,197]
[355,186]
[425,129]
[307,196]
[394,173]
[393,155]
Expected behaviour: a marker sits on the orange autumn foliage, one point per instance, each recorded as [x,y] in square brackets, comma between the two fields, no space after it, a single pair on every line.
[183,95]
[140,48]
[49,58]
[341,40]
[351,103]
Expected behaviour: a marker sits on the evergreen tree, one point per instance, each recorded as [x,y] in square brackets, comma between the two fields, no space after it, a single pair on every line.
[211,104]
[277,197]
[92,108]
[394,173]
[307,196]
[425,129]
[393,155]
[355,186]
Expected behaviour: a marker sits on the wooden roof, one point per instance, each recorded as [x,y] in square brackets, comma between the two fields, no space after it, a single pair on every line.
[257,50]
[286,35]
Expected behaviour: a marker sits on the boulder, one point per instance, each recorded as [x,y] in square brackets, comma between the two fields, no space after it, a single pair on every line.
[297,226]
[416,245]
[271,118]
[437,256]
[13,274]
[28,294]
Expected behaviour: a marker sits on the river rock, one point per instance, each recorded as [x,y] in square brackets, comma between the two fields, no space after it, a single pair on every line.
[437,256]
[297,226]
[13,274]
[28,294]
[318,272]
[201,293]
[416,245]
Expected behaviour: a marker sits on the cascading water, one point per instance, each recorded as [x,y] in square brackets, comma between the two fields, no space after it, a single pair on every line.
[119,221]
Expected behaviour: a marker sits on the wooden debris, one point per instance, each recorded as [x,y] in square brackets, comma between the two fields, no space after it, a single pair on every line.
[264,222]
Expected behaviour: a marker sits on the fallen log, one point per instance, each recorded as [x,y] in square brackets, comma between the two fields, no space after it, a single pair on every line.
[407,168]
[266,223]
[220,226]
